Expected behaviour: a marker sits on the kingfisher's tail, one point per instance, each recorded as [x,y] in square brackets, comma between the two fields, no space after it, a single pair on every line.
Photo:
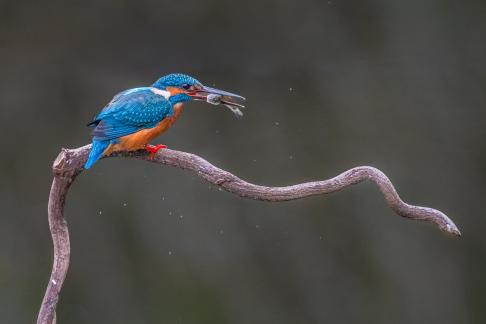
[97,149]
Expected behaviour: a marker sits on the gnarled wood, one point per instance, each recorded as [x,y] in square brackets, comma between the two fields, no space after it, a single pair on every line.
[69,164]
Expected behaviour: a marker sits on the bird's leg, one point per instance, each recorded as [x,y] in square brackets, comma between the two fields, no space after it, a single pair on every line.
[154,149]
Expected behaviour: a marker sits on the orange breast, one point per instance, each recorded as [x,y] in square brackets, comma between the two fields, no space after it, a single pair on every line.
[138,140]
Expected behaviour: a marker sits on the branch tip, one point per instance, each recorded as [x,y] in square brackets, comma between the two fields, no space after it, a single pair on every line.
[70,163]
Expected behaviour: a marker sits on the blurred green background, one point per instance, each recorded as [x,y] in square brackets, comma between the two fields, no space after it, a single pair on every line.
[399,85]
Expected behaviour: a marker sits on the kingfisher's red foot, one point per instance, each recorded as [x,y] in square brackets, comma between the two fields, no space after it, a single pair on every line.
[154,149]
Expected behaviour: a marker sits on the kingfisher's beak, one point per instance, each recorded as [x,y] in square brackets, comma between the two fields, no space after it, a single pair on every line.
[225,96]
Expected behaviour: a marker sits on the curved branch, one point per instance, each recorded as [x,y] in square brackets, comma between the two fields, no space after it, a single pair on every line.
[69,164]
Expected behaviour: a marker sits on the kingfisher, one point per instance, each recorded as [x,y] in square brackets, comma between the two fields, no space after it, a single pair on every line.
[134,117]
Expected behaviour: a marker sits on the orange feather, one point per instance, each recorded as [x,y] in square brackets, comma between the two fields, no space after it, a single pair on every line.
[140,139]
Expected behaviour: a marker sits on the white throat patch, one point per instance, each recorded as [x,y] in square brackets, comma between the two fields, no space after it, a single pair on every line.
[164,93]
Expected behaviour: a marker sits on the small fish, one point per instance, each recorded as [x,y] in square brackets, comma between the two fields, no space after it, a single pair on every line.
[216,100]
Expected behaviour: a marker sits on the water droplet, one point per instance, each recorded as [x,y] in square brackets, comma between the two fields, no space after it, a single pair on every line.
[291,89]
[170,213]
[100,212]
[277,123]
[170,252]
[221,232]
[124,204]
[181,216]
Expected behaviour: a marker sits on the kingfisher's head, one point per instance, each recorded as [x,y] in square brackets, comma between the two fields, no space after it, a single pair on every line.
[181,87]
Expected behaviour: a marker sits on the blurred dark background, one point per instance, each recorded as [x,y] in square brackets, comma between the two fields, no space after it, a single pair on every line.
[399,85]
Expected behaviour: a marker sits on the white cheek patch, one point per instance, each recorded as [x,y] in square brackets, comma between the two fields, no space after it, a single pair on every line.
[159,92]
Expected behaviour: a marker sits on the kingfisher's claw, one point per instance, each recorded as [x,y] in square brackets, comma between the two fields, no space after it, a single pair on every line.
[154,149]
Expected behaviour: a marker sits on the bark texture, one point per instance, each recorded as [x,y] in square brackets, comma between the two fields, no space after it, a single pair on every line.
[69,164]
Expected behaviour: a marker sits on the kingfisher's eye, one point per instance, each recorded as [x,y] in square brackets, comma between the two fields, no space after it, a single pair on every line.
[186,86]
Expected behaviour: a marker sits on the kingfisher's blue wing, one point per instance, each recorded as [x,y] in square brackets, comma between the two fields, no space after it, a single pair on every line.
[129,112]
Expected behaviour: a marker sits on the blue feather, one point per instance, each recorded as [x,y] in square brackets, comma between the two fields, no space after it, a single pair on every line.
[136,109]
[97,149]
[129,112]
